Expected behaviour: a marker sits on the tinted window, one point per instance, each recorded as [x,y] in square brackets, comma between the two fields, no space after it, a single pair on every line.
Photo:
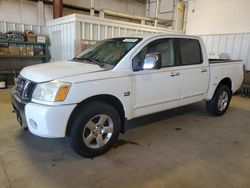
[163,46]
[190,51]
[109,52]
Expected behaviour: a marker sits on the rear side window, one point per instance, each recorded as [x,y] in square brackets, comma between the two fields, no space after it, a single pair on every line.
[190,51]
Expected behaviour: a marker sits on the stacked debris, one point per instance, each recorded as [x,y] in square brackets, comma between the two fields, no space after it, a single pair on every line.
[12,36]
[246,84]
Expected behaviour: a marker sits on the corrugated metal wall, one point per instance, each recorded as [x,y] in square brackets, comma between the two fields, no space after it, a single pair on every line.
[10,26]
[91,31]
[73,28]
[62,38]
[236,45]
[103,30]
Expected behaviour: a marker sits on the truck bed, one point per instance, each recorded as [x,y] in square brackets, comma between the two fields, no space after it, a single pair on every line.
[211,61]
[225,68]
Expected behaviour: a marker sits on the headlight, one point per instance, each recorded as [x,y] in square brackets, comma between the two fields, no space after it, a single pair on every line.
[53,91]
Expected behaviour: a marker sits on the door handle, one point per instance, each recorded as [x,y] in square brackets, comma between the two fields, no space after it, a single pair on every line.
[173,74]
[203,70]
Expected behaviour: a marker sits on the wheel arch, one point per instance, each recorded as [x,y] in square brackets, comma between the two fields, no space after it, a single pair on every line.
[109,99]
[213,88]
[212,105]
[226,81]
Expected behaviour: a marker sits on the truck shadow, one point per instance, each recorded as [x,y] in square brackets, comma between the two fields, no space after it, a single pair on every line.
[197,109]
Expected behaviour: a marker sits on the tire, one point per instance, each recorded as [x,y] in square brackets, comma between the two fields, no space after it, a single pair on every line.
[95,129]
[218,105]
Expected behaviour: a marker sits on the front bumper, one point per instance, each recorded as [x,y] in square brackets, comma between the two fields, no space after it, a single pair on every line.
[42,120]
[19,107]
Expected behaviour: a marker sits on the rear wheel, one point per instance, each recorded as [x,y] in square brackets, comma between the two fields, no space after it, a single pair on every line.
[95,129]
[218,105]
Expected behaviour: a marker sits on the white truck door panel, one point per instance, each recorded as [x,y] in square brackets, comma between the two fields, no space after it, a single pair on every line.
[193,83]
[194,71]
[155,91]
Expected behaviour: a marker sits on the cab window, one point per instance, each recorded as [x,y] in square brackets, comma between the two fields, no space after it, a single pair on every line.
[190,51]
[163,46]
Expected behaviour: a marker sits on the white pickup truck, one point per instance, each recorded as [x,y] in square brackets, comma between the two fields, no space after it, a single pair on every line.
[89,98]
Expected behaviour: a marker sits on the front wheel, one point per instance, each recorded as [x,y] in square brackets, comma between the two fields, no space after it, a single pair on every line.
[95,129]
[218,105]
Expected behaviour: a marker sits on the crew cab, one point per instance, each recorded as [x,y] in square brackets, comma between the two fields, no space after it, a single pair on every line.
[90,98]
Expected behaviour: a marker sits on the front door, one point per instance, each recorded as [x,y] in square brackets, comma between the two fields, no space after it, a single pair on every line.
[156,90]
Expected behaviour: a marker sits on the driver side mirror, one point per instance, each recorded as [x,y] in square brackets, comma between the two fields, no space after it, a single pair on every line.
[151,61]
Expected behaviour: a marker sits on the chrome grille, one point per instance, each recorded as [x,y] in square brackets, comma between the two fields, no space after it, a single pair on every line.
[24,88]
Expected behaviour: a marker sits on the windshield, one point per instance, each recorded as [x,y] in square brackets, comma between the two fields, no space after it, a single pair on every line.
[108,53]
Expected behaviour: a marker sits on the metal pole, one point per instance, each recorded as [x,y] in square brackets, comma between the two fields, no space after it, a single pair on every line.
[41,19]
[92,7]
[156,12]
[57,8]
[147,8]
[185,17]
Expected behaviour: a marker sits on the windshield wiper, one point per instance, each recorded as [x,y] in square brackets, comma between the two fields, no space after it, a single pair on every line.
[91,60]
[76,58]
[101,64]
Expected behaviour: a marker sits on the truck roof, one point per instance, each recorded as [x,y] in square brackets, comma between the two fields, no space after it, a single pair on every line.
[147,36]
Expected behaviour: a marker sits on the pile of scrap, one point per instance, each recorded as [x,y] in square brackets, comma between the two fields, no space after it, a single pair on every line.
[245,89]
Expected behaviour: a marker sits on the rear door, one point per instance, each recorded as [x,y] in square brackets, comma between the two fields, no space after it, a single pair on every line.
[193,69]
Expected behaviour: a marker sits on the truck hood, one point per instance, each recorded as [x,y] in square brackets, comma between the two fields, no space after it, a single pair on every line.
[51,71]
